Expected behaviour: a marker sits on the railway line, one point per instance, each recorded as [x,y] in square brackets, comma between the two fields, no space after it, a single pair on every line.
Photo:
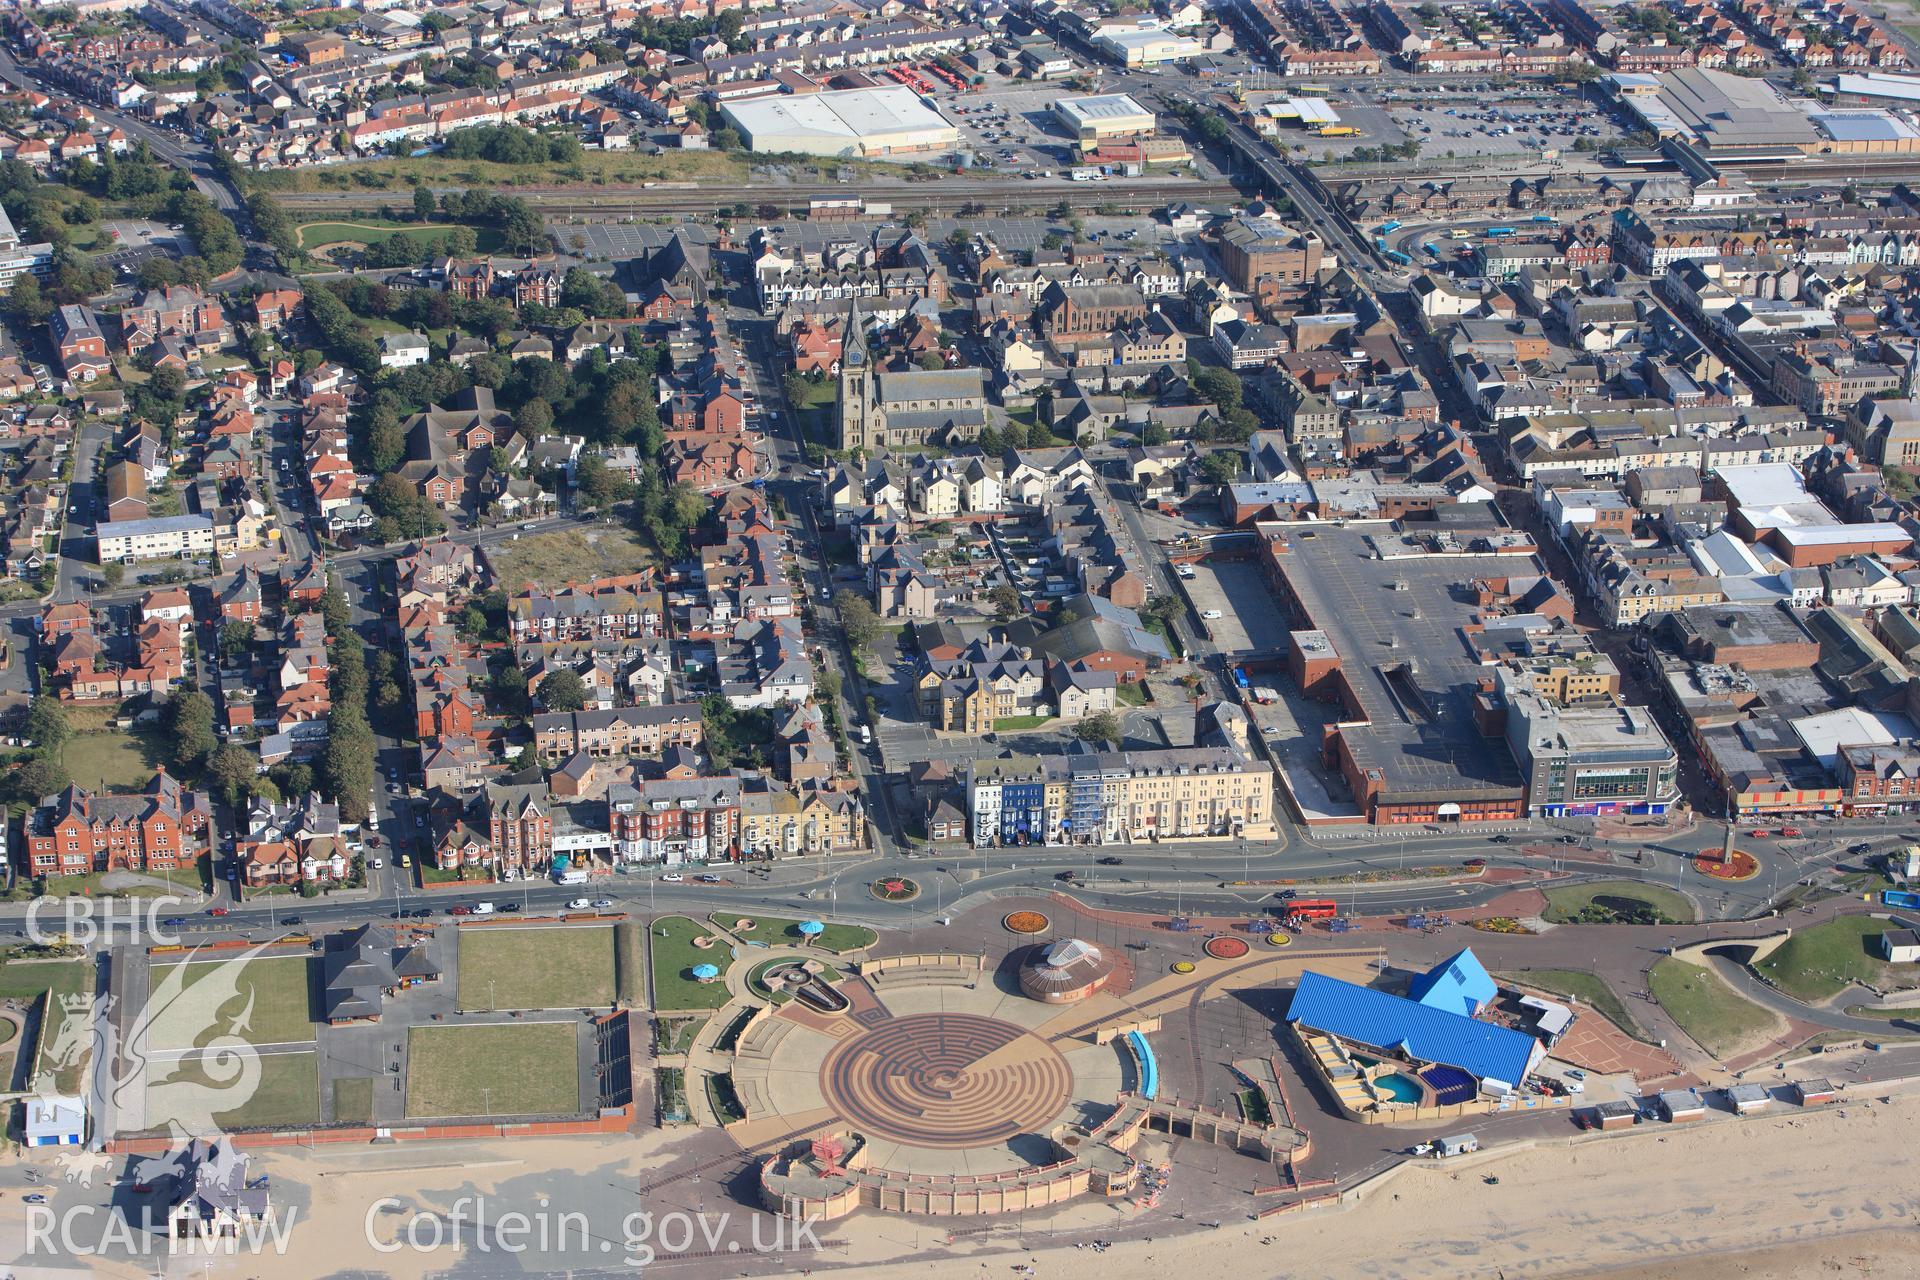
[945,196]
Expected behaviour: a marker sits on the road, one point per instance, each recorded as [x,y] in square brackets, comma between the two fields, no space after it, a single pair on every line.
[196,159]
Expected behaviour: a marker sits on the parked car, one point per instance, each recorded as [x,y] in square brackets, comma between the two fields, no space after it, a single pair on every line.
[461,910]
[1110,861]
[601,904]
[578,904]
[671,878]
[289,919]
[483,908]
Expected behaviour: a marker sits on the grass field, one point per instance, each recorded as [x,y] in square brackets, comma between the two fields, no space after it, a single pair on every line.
[402,173]
[288,1094]
[1706,1008]
[1585,987]
[314,234]
[111,761]
[519,1069]
[1825,960]
[671,954]
[25,979]
[772,929]
[551,968]
[282,1013]
[353,1101]
[1566,903]
[568,555]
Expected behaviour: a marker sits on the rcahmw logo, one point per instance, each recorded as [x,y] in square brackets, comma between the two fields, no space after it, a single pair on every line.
[88,1231]
[642,1239]
[102,922]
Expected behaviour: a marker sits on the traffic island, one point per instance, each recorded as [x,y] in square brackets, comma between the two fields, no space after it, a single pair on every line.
[894,889]
[1739,865]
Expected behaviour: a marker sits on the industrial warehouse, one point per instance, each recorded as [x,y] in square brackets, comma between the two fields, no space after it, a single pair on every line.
[846,122]
[1736,115]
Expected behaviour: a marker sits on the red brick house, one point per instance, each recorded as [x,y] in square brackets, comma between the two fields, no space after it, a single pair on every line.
[161,828]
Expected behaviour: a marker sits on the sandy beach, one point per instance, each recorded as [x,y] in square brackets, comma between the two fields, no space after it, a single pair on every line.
[1796,1194]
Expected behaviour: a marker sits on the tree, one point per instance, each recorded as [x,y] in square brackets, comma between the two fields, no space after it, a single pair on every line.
[1007,604]
[858,622]
[236,637]
[1104,727]
[47,726]
[1221,386]
[931,361]
[190,724]
[27,303]
[563,691]
[424,205]
[533,419]
[37,778]
[1221,467]
[596,487]
[232,770]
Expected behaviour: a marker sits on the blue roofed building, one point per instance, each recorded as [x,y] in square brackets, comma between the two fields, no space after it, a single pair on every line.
[1388,1023]
[1459,984]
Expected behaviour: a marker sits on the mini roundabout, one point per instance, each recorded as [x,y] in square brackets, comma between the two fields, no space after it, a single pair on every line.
[944,1087]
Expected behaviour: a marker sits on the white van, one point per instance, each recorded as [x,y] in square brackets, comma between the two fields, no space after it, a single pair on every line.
[483,908]
[572,875]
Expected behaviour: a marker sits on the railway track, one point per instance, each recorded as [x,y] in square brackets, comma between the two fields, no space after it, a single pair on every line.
[927,197]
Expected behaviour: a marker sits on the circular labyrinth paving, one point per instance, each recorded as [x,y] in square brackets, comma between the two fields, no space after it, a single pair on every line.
[946,1080]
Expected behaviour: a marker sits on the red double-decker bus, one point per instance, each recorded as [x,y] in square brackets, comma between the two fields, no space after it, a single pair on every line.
[1312,909]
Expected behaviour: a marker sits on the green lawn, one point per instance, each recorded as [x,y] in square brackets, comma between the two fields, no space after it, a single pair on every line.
[371,231]
[92,884]
[1132,693]
[111,761]
[353,1101]
[1823,961]
[1588,988]
[26,979]
[29,980]
[400,173]
[773,930]
[1019,724]
[516,1069]
[288,1094]
[280,989]
[1705,1007]
[1565,904]
[549,968]
[672,955]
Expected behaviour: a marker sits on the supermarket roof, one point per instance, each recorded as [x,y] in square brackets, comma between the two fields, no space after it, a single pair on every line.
[1863,126]
[1105,106]
[1878,84]
[1383,1021]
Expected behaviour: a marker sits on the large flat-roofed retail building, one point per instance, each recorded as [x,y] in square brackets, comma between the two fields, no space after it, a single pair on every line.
[1106,115]
[845,122]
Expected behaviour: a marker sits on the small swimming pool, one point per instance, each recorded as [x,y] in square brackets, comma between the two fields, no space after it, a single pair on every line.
[1399,1087]
[1361,1060]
